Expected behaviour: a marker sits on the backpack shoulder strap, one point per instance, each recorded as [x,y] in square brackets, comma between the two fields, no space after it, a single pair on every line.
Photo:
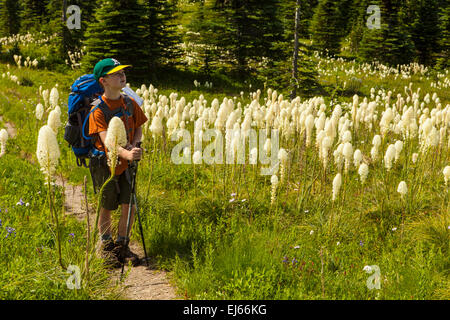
[96,103]
[129,103]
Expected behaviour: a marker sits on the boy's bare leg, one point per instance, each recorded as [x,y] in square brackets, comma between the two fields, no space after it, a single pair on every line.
[123,220]
[104,221]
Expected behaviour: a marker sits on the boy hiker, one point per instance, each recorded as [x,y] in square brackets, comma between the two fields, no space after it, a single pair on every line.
[110,74]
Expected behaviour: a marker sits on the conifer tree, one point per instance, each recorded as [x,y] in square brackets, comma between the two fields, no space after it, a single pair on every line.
[117,32]
[9,17]
[33,14]
[326,27]
[278,71]
[161,38]
[392,43]
[425,30]
[443,60]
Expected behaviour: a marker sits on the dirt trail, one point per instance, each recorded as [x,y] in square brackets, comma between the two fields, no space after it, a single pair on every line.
[12,132]
[142,283]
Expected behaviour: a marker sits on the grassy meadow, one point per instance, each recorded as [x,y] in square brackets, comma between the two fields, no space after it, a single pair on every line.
[224,231]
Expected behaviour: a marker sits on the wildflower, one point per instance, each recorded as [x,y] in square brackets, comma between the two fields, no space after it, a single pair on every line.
[357,158]
[361,243]
[243,200]
[197,157]
[20,203]
[233,194]
[115,136]
[54,120]
[414,157]
[367,269]
[446,173]
[232,200]
[285,259]
[338,243]
[311,232]
[282,156]
[347,152]
[3,139]
[402,188]
[398,148]
[39,111]
[0,222]
[274,182]
[337,181]
[45,96]
[297,247]
[10,230]
[54,97]
[389,156]
[47,150]
[294,261]
[156,126]
[72,235]
[393,229]
[253,156]
[363,172]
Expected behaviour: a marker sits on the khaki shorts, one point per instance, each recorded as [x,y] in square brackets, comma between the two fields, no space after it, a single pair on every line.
[117,191]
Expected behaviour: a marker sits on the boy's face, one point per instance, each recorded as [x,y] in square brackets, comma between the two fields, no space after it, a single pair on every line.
[114,81]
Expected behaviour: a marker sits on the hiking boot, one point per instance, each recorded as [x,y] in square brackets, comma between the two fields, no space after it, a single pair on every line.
[125,254]
[109,254]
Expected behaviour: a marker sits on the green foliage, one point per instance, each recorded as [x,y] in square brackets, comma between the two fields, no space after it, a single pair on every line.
[117,32]
[9,17]
[327,27]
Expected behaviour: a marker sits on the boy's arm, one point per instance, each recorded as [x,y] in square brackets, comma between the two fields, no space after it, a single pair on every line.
[129,155]
[137,136]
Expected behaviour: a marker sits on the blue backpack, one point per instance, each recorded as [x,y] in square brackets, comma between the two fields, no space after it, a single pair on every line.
[85,93]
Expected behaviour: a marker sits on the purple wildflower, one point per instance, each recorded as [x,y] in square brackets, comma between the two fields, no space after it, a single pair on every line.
[20,203]
[10,230]
[294,262]
[286,260]
[361,243]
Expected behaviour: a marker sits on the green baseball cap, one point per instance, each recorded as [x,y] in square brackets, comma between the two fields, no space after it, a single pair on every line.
[107,66]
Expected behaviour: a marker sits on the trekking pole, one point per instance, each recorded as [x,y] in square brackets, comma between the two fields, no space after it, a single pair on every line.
[133,199]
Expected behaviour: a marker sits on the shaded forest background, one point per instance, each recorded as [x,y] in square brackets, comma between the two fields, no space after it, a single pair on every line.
[248,40]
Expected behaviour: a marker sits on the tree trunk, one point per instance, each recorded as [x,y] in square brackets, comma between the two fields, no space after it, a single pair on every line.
[295,58]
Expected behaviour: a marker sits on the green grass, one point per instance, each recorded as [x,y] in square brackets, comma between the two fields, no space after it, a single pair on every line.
[29,255]
[217,249]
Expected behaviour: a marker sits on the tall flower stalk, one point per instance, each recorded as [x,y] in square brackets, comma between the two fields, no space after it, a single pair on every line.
[48,154]
[116,137]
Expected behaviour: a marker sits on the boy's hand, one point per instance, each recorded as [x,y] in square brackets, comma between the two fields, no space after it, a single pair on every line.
[134,154]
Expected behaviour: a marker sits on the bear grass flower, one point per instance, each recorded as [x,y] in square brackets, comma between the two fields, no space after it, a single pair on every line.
[197,157]
[402,188]
[54,120]
[363,171]
[54,97]
[446,173]
[115,136]
[39,112]
[282,156]
[337,181]
[389,156]
[3,139]
[274,182]
[47,151]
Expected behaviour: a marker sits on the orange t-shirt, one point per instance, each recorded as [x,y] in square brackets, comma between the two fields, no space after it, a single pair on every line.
[97,123]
